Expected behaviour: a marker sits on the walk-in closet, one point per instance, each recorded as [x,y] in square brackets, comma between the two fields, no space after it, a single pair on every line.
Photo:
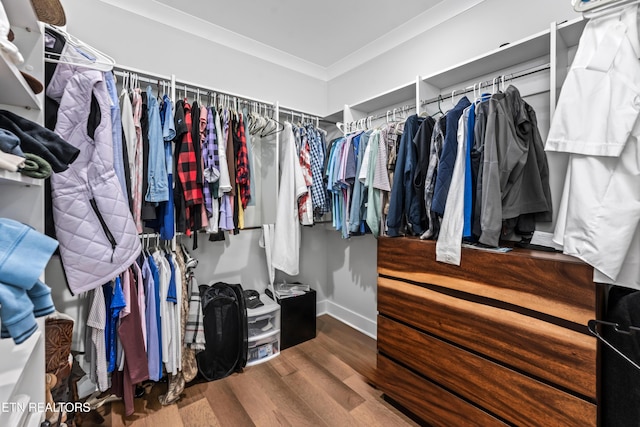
[327,214]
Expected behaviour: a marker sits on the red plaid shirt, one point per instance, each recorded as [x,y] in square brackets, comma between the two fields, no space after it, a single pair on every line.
[188,169]
[242,167]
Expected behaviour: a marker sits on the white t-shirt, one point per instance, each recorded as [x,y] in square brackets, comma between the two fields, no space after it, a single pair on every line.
[286,242]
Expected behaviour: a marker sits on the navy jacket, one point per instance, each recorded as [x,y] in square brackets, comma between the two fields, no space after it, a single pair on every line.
[404,202]
[448,157]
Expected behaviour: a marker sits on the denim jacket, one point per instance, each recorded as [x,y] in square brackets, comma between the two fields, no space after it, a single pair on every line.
[158,190]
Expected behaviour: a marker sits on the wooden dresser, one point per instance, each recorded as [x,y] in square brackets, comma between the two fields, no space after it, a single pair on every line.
[500,340]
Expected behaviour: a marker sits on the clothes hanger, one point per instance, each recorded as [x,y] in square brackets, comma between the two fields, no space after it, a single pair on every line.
[89,57]
[439,113]
[632,330]
[269,127]
[235,108]
[260,121]
[125,80]
[145,245]
[272,127]
[155,247]
[256,123]
[482,97]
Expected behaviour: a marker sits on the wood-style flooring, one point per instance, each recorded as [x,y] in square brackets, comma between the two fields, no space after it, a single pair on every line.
[322,382]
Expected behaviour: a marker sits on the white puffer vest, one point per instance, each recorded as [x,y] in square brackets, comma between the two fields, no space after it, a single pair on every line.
[97,234]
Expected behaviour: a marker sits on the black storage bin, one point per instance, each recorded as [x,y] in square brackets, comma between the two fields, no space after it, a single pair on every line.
[297,319]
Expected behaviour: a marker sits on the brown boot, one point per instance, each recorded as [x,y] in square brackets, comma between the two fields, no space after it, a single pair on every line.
[176,387]
[58,333]
[52,415]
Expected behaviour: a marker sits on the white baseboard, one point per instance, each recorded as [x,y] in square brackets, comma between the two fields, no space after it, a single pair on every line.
[349,317]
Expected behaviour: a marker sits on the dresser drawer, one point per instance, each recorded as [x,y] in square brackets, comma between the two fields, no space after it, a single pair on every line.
[552,284]
[506,393]
[542,349]
[429,401]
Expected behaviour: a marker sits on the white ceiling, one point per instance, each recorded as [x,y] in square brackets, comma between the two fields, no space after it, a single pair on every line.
[319,32]
[321,39]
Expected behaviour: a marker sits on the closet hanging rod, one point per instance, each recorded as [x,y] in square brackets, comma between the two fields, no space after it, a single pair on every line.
[406,108]
[152,76]
[223,98]
[61,58]
[193,88]
[288,112]
[508,77]
[141,78]
[181,84]
[366,121]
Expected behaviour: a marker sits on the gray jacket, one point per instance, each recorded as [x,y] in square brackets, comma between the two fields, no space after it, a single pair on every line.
[515,175]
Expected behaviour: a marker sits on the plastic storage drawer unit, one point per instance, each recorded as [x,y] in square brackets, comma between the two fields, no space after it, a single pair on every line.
[263,325]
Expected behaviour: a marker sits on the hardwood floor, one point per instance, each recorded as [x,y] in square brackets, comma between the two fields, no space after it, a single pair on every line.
[322,382]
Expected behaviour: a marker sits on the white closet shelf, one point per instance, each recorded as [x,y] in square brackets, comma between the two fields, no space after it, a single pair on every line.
[17,178]
[391,97]
[15,358]
[22,15]
[511,55]
[15,90]
[335,117]
[570,31]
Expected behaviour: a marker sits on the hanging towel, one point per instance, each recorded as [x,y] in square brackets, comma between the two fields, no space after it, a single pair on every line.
[194,332]
[266,242]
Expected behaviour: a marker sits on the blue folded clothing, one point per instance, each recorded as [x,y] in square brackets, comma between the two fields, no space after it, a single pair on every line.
[24,254]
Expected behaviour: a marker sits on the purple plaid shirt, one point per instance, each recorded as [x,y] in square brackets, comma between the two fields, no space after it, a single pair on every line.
[210,160]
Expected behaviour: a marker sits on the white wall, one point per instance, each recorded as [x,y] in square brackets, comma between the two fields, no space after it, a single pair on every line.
[240,259]
[352,285]
[479,30]
[144,43]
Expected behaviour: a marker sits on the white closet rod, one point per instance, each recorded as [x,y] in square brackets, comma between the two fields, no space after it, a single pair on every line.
[302,115]
[196,88]
[142,78]
[183,85]
[153,77]
[403,109]
[367,122]
[507,78]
